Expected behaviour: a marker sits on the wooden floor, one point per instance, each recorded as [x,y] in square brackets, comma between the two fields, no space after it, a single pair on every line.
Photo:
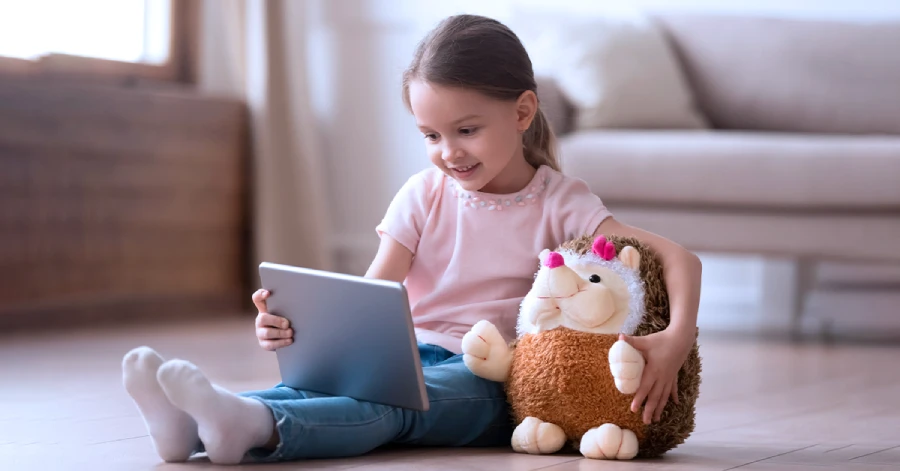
[763,406]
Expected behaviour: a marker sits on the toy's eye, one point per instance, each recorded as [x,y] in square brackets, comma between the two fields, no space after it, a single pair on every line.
[594,279]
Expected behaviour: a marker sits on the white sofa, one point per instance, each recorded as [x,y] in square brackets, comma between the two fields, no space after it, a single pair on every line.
[802,156]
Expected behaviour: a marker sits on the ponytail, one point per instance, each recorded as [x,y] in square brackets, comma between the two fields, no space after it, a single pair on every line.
[540,143]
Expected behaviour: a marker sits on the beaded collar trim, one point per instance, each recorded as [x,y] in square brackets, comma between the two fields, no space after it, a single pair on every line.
[491,202]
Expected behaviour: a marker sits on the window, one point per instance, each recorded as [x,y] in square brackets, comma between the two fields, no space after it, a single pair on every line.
[131,39]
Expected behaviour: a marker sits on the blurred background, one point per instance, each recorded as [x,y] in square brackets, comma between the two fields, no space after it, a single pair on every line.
[153,152]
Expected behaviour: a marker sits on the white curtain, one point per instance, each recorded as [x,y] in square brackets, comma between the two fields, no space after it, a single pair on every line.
[255,50]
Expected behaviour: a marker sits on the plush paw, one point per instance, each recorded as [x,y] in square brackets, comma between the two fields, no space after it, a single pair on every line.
[485,352]
[626,365]
[535,437]
[609,442]
[475,342]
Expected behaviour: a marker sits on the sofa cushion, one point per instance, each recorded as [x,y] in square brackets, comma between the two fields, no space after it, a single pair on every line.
[736,169]
[620,72]
[800,75]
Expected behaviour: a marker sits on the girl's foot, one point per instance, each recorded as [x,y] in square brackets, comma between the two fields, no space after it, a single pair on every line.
[174,433]
[229,425]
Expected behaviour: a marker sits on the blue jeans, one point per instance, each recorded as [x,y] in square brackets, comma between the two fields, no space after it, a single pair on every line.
[465,410]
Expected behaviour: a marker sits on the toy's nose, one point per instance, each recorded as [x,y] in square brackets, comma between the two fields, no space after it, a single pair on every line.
[561,280]
[554,260]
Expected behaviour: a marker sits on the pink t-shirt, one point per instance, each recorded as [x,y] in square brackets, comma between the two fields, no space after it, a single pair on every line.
[476,254]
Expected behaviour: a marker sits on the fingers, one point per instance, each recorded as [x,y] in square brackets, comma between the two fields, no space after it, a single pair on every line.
[264,319]
[643,390]
[273,345]
[273,332]
[664,399]
[675,390]
[268,333]
[653,401]
[259,300]
[639,343]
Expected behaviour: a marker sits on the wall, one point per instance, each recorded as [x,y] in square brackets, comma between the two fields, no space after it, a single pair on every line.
[359,51]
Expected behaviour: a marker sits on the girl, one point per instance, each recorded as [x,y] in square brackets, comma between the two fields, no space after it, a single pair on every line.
[463,236]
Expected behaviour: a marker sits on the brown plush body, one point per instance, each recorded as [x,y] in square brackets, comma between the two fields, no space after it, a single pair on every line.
[562,376]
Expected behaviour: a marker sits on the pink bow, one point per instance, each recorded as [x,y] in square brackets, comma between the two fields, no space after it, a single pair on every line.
[603,249]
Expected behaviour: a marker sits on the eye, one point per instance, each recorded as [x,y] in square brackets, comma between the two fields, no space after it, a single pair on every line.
[431,137]
[594,279]
[467,131]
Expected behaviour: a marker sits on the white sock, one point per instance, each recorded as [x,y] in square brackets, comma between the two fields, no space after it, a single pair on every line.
[229,425]
[174,433]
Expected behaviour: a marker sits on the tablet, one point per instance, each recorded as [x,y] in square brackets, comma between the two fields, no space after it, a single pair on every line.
[353,336]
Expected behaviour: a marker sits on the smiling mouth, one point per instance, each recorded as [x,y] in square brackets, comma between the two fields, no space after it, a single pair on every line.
[465,173]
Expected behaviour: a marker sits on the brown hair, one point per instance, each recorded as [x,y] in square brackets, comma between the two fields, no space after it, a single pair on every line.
[482,54]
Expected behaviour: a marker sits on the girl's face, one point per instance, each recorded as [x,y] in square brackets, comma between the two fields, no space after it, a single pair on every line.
[473,138]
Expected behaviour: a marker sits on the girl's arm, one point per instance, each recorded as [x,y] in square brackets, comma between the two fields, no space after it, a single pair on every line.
[665,351]
[392,261]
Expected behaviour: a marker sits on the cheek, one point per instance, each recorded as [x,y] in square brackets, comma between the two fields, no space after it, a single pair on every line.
[434,153]
[620,295]
[511,131]
[499,145]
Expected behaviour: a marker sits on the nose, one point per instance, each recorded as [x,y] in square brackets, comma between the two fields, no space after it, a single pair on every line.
[562,280]
[450,152]
[554,260]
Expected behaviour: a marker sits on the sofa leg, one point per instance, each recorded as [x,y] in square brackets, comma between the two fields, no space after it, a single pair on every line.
[804,281]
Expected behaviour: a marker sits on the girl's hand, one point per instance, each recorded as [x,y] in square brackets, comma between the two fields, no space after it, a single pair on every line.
[273,332]
[665,352]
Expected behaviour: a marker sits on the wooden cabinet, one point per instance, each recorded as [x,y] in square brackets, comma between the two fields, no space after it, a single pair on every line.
[119,204]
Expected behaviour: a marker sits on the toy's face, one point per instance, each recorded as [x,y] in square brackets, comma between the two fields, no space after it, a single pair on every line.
[581,296]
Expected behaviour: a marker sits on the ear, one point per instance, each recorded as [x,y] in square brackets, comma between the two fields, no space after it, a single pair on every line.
[630,257]
[526,108]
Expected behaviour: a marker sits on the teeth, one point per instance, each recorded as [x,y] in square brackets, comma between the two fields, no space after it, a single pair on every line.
[465,169]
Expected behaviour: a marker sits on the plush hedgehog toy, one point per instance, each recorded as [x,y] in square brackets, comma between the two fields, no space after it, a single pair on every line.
[568,376]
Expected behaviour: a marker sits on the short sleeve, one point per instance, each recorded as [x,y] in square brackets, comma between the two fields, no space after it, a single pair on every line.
[582,211]
[405,217]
